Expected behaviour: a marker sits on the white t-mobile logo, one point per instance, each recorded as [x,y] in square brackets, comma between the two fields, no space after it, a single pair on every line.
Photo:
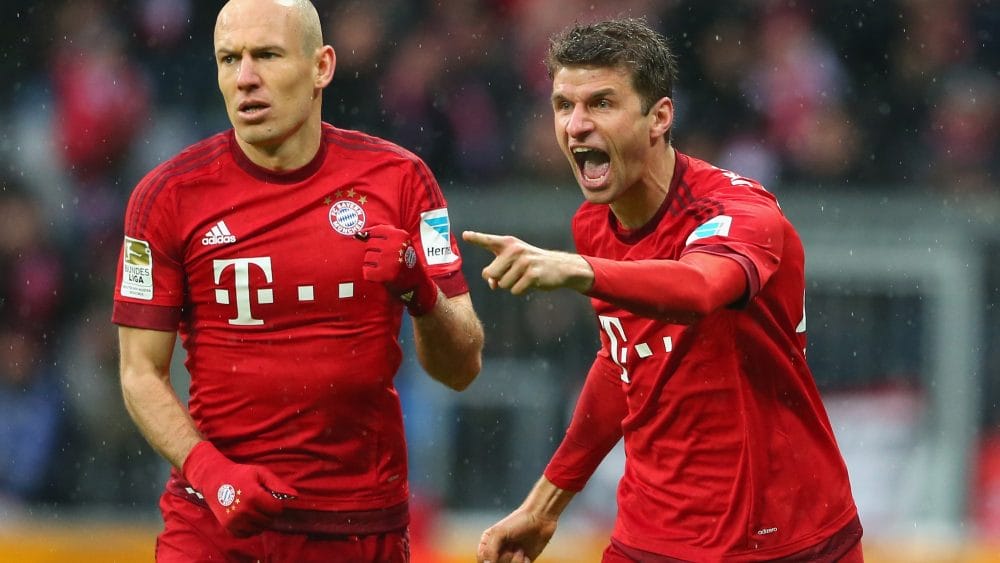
[619,354]
[265,295]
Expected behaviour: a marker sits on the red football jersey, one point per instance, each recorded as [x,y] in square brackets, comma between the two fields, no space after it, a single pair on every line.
[291,352]
[730,454]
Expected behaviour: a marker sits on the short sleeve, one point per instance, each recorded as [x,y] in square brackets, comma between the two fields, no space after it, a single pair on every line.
[149,279]
[426,216]
[750,230]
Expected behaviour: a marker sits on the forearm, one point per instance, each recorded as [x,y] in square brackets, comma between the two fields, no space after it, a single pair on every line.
[449,341]
[679,291]
[149,396]
[159,415]
[546,500]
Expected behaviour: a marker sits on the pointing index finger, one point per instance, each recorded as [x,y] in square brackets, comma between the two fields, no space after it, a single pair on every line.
[493,243]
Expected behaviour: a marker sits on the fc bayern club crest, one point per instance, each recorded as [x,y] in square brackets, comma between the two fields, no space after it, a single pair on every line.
[226,495]
[410,257]
[347,217]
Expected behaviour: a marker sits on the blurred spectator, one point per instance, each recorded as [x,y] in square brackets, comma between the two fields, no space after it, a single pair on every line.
[101,101]
[964,132]
[31,400]
[32,407]
[31,290]
[101,96]
[358,31]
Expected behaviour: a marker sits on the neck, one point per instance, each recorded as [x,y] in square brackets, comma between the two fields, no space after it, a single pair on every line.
[291,152]
[641,201]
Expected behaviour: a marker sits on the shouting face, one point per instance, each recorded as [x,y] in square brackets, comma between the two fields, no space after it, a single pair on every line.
[600,126]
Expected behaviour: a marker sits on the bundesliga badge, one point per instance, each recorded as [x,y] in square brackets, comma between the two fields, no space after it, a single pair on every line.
[347,217]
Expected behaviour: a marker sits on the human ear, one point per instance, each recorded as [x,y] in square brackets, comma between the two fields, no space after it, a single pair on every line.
[662,113]
[326,63]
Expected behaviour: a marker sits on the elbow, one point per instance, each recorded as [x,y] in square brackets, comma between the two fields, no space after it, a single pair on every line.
[464,375]
[130,390]
[700,308]
[701,304]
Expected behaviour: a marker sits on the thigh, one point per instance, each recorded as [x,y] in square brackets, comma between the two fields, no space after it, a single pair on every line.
[191,534]
[391,547]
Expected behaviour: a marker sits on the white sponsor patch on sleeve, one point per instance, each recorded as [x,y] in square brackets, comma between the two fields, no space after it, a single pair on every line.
[435,237]
[716,226]
[137,270]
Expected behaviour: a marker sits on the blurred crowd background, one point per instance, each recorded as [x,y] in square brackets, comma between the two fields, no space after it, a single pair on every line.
[799,94]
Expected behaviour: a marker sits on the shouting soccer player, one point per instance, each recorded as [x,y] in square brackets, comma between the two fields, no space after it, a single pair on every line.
[283,252]
[697,280]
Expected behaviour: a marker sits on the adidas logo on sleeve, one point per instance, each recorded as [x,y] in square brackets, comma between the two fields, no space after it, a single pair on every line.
[218,235]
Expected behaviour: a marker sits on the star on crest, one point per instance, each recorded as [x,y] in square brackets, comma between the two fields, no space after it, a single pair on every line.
[350,193]
[236,503]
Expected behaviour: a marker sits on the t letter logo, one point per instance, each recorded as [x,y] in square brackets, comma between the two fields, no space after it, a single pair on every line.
[242,281]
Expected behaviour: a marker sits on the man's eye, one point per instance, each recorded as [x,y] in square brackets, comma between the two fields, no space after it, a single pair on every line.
[603,103]
[227,60]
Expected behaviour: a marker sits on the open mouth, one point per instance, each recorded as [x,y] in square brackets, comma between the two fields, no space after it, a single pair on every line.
[594,164]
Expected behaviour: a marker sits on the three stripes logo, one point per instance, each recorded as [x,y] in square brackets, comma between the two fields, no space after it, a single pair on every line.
[219,234]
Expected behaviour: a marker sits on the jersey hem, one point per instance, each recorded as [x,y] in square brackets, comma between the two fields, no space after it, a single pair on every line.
[689,553]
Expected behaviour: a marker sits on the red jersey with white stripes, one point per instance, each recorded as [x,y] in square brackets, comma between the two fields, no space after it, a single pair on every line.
[730,454]
[291,352]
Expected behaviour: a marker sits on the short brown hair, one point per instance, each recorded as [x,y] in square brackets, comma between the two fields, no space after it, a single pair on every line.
[628,43]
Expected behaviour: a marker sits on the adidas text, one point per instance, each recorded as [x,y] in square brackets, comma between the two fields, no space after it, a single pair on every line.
[219,239]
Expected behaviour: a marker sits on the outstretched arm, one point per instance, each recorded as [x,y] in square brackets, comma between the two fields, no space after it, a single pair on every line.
[521,267]
[680,291]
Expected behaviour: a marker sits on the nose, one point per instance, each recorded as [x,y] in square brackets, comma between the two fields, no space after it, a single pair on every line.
[246,74]
[579,123]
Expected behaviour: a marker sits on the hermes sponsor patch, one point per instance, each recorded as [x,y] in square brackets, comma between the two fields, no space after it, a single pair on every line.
[435,237]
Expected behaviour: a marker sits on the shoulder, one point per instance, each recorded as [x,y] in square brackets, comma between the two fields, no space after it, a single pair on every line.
[192,164]
[363,146]
[716,188]
[702,176]
[196,160]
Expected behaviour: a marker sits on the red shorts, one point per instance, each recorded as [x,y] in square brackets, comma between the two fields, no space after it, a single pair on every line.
[191,534]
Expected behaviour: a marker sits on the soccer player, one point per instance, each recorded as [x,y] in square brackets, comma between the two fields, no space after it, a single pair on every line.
[283,252]
[696,278]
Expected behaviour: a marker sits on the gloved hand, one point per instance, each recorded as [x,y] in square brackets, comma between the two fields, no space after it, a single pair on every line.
[244,498]
[391,258]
